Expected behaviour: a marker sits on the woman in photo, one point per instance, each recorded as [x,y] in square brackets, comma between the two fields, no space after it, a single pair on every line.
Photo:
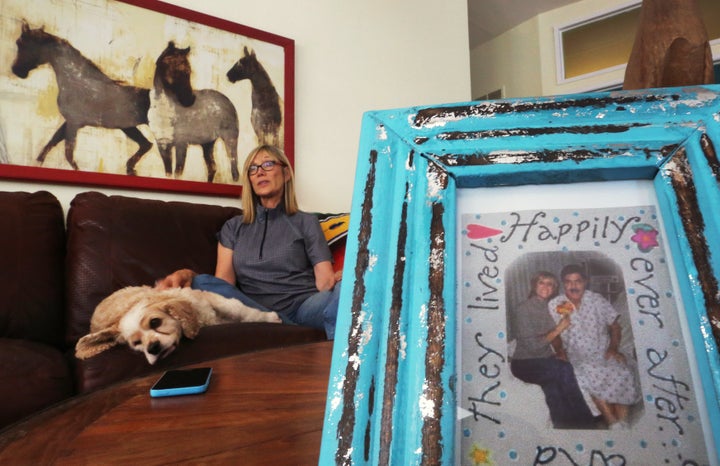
[538,357]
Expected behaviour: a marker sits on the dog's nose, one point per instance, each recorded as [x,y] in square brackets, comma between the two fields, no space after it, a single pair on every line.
[155,348]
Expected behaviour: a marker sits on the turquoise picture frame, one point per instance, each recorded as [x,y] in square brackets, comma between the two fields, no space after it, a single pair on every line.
[393,382]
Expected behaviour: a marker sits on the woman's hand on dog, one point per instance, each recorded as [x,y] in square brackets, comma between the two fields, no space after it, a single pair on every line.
[179,279]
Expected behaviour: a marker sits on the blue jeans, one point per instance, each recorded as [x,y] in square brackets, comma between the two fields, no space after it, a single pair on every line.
[318,311]
[564,399]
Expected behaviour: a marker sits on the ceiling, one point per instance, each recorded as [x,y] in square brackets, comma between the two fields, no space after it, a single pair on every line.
[488,19]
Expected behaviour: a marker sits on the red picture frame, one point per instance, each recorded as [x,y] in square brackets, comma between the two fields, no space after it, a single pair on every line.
[144,28]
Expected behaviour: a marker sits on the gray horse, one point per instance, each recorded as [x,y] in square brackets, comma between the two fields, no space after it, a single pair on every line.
[180,116]
[86,96]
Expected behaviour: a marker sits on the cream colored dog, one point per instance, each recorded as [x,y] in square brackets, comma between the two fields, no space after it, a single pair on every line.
[153,321]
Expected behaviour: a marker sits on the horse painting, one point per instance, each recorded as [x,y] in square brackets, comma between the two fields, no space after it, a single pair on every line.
[180,116]
[86,96]
[266,113]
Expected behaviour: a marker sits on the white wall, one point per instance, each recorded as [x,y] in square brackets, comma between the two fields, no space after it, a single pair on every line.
[351,57]
[510,62]
[528,64]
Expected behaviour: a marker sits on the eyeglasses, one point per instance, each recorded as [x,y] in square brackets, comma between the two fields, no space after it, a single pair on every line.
[266,166]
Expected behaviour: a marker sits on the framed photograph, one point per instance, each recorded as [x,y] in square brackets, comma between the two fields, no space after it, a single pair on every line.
[499,247]
[139,94]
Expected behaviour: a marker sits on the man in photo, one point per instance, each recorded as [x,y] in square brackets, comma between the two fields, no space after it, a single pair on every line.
[591,339]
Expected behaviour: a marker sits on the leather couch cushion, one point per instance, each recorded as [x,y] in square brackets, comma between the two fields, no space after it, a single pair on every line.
[32,376]
[117,241]
[31,267]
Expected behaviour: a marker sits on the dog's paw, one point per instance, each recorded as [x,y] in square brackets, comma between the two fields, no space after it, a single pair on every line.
[272,317]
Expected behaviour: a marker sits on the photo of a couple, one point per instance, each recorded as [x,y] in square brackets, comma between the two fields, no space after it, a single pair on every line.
[568,338]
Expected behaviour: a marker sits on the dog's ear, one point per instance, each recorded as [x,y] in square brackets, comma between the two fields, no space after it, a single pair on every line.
[96,343]
[182,310]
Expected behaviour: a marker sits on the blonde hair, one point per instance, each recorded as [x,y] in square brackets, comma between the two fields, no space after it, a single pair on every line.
[540,276]
[249,199]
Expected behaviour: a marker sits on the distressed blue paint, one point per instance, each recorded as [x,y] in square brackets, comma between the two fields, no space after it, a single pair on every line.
[388,363]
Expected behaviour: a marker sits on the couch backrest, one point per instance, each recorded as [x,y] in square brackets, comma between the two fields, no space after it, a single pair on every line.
[32,252]
[117,241]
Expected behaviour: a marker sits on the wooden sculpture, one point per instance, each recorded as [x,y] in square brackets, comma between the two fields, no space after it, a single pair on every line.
[671,47]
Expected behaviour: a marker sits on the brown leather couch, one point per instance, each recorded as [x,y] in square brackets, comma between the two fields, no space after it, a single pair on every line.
[33,370]
[53,275]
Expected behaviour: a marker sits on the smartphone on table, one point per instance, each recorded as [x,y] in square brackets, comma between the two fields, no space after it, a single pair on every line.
[182,382]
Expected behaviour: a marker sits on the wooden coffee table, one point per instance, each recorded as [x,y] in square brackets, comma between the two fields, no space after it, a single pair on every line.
[265,407]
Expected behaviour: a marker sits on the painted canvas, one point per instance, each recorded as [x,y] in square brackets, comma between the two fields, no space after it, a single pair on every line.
[135,93]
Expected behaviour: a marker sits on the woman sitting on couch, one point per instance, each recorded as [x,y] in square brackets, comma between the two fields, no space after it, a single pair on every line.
[273,256]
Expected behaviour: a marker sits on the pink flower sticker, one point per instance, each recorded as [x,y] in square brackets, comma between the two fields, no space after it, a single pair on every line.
[645,236]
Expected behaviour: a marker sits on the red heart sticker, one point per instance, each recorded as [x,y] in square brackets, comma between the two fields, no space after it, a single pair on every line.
[480,231]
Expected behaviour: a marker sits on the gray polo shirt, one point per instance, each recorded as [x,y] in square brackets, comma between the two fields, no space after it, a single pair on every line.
[273,257]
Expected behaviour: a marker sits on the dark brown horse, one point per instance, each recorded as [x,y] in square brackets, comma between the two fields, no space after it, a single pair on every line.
[86,96]
[180,116]
[266,115]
